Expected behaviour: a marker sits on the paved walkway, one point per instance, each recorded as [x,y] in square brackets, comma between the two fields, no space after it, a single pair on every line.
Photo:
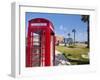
[60,59]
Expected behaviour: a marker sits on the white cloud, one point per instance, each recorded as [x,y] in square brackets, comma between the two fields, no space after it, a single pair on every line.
[61,27]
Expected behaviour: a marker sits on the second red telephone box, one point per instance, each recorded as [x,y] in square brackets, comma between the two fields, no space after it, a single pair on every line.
[40,46]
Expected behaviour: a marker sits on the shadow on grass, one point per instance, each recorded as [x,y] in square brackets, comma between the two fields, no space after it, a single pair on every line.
[76,61]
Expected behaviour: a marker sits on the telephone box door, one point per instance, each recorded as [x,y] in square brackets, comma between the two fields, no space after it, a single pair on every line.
[36,49]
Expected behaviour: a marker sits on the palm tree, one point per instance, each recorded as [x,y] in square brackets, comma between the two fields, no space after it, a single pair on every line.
[85,19]
[68,35]
[68,39]
[74,31]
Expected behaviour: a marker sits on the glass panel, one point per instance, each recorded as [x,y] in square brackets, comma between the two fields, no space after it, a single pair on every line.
[36,52]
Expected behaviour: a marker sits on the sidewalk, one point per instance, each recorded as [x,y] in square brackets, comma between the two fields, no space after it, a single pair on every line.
[60,59]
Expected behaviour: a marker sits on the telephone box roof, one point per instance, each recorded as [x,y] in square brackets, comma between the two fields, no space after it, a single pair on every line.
[41,20]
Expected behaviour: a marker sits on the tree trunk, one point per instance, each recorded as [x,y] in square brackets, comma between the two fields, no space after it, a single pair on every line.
[88,35]
[74,38]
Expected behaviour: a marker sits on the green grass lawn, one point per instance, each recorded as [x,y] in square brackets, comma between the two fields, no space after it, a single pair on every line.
[75,53]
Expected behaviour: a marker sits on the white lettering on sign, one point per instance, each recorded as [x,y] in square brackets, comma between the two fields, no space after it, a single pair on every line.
[38,24]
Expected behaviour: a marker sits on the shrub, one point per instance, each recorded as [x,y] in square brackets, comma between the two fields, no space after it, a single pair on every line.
[71,46]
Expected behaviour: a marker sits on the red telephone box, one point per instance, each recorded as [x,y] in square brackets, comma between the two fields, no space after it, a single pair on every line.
[40,47]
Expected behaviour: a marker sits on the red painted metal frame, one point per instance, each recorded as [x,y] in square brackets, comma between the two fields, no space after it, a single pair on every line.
[47,32]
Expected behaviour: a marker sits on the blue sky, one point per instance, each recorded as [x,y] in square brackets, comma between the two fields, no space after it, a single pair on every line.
[63,24]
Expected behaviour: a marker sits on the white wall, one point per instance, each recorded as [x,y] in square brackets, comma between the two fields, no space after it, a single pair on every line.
[5,40]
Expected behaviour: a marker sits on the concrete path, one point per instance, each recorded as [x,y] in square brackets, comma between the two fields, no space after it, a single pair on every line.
[60,59]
